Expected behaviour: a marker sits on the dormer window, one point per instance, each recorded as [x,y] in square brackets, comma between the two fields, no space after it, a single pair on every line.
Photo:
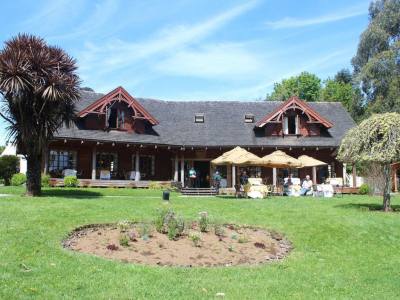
[116,118]
[199,118]
[291,124]
[249,118]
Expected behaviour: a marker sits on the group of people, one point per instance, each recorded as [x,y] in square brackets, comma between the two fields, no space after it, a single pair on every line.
[306,185]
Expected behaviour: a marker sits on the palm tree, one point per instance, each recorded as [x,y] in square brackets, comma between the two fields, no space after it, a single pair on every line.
[39,87]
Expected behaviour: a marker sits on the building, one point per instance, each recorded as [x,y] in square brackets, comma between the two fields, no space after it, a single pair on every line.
[11,149]
[144,139]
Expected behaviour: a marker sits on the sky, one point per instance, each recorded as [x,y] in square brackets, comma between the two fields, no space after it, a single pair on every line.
[193,50]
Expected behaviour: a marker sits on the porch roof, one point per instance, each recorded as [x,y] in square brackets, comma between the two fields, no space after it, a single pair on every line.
[224,124]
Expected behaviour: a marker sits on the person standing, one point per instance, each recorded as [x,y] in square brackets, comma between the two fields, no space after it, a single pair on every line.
[192,177]
[217,180]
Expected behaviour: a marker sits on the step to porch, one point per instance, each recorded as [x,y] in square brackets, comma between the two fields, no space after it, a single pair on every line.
[198,191]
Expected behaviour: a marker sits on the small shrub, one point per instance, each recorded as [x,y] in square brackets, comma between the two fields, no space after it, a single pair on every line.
[234,236]
[259,245]
[112,247]
[172,229]
[161,219]
[243,239]
[70,181]
[364,189]
[132,236]
[8,167]
[195,237]
[124,241]
[18,179]
[230,248]
[153,185]
[180,225]
[204,221]
[124,225]
[45,180]
[145,231]
[219,230]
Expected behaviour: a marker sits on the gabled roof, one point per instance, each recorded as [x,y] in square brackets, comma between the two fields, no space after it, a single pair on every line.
[120,95]
[294,103]
[224,124]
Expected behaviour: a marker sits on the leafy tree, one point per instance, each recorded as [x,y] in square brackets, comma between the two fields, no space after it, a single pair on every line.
[8,167]
[377,62]
[306,86]
[375,140]
[344,76]
[39,86]
[2,149]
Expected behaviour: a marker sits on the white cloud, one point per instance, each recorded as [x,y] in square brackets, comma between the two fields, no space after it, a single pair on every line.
[220,61]
[117,54]
[295,23]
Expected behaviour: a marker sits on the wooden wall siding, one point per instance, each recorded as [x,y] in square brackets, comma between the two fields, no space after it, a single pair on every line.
[98,122]
[306,129]
[164,166]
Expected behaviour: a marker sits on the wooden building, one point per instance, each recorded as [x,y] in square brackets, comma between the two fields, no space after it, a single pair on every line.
[140,139]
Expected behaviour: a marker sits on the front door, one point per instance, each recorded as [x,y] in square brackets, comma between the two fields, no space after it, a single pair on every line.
[203,173]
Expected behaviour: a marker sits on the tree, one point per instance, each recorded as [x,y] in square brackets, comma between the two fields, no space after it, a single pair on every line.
[342,89]
[306,86]
[8,167]
[39,86]
[377,62]
[375,140]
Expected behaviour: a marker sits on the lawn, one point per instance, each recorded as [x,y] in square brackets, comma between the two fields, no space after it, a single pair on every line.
[342,248]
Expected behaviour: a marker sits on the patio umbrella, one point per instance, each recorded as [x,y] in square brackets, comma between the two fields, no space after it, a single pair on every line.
[310,162]
[237,156]
[280,159]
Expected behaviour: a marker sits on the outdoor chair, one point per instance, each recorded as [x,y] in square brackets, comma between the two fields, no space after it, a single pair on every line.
[338,190]
[239,192]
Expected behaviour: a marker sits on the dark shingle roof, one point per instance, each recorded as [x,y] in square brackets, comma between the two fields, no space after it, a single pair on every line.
[224,124]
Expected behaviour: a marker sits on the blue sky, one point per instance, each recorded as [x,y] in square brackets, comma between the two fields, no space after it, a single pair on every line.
[193,50]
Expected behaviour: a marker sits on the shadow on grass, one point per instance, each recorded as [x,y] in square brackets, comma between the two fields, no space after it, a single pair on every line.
[368,206]
[70,193]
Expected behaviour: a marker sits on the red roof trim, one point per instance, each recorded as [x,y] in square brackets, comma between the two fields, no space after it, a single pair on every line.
[121,94]
[293,102]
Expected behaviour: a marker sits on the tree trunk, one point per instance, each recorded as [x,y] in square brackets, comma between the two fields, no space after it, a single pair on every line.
[33,175]
[387,187]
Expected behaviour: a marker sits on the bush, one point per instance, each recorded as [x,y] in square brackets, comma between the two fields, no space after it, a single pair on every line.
[153,185]
[8,167]
[45,180]
[18,179]
[70,181]
[364,189]
[204,221]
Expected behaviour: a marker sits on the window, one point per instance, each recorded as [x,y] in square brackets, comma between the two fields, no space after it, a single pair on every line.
[249,118]
[291,124]
[107,161]
[116,118]
[146,165]
[199,118]
[61,160]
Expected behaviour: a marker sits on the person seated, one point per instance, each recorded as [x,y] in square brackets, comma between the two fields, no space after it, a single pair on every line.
[306,186]
[287,185]
[244,178]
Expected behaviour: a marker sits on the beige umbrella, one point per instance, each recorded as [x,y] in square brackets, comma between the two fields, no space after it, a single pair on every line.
[237,156]
[280,159]
[310,162]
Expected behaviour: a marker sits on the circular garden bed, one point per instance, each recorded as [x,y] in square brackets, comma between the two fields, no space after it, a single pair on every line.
[171,241]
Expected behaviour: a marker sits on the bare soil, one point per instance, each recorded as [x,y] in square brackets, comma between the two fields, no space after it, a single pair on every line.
[237,246]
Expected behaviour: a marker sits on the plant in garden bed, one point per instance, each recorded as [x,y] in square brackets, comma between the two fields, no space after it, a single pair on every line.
[243,238]
[204,221]
[124,225]
[219,230]
[124,241]
[145,230]
[195,237]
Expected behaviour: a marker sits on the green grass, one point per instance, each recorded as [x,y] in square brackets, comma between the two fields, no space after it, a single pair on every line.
[342,249]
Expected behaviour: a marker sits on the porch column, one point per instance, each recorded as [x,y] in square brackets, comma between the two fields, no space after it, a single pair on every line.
[314,175]
[274,179]
[354,176]
[344,175]
[176,166]
[395,187]
[94,153]
[233,175]
[46,161]
[137,169]
[182,171]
